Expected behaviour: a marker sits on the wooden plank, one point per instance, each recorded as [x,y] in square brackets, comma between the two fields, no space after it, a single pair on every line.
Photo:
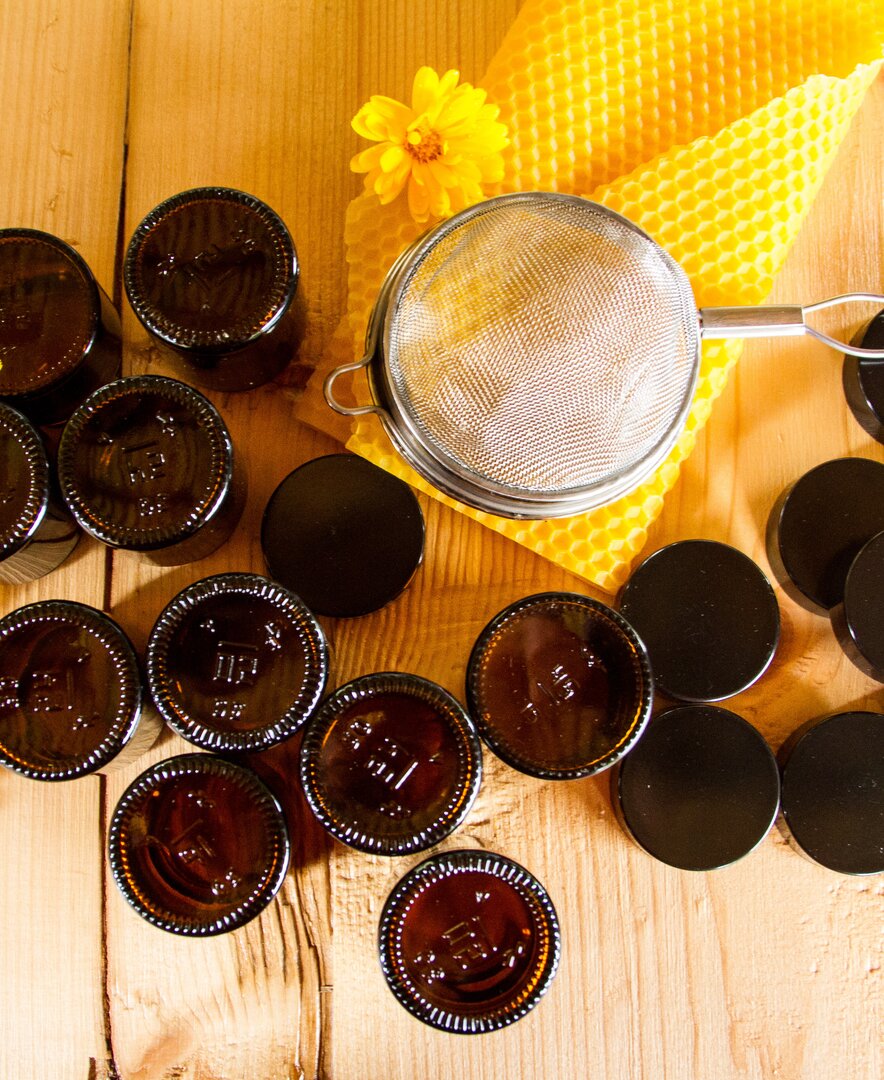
[257,97]
[767,969]
[63,77]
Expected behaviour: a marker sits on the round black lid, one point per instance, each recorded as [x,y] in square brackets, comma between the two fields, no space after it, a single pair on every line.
[700,790]
[833,791]
[821,523]
[864,604]
[343,534]
[864,381]
[708,617]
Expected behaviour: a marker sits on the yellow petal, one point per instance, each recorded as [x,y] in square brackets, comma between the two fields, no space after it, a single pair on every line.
[424,89]
[382,118]
[418,200]
[392,157]
[368,159]
[443,174]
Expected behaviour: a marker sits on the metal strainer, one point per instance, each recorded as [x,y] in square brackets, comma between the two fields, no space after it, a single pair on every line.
[536,355]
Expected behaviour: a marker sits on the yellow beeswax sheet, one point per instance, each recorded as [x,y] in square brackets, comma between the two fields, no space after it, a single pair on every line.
[711,125]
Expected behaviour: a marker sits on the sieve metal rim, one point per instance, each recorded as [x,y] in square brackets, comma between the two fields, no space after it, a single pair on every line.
[443,471]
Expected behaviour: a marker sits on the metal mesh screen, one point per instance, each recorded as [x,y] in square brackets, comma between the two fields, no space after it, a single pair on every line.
[542,344]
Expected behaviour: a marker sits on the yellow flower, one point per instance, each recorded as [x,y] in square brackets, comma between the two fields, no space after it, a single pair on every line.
[444,147]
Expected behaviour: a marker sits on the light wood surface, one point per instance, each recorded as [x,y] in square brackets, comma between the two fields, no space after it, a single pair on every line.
[767,969]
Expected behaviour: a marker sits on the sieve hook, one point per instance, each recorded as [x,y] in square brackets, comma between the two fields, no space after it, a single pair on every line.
[330,379]
[782,321]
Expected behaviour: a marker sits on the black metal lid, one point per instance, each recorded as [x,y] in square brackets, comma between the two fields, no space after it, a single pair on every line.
[833,791]
[70,690]
[24,481]
[49,311]
[145,462]
[864,381]
[198,845]
[708,617]
[210,269]
[391,763]
[863,610]
[700,790]
[559,685]
[469,942]
[819,524]
[343,534]
[235,662]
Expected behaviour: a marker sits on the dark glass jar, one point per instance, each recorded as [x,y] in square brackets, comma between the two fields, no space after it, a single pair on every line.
[71,699]
[198,845]
[59,332]
[36,531]
[559,685]
[469,942]
[391,763]
[236,663]
[147,464]
[211,274]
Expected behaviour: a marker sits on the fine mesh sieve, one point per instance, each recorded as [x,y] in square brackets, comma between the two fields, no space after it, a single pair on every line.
[536,355]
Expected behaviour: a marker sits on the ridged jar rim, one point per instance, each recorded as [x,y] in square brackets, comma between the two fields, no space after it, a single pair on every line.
[469,751]
[107,632]
[189,765]
[287,605]
[37,479]
[219,476]
[423,877]
[625,634]
[74,354]
[237,335]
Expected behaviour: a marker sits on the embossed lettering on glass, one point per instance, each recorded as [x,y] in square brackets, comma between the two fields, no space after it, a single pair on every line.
[559,685]
[198,845]
[391,763]
[59,332]
[235,662]
[469,941]
[211,274]
[70,692]
[147,464]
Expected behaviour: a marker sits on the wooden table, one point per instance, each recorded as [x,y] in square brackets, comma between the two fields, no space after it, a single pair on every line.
[769,968]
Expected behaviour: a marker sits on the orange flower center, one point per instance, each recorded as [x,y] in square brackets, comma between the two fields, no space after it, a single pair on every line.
[424,144]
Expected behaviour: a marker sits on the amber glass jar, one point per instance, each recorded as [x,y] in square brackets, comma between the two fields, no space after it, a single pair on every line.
[147,464]
[198,845]
[36,531]
[71,699]
[559,685]
[211,274]
[59,332]
[391,763]
[469,941]
[236,663]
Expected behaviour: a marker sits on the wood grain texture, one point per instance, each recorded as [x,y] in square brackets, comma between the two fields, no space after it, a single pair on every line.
[63,72]
[769,969]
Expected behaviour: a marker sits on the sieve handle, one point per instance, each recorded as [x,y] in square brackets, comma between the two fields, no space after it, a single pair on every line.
[348,410]
[782,321]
